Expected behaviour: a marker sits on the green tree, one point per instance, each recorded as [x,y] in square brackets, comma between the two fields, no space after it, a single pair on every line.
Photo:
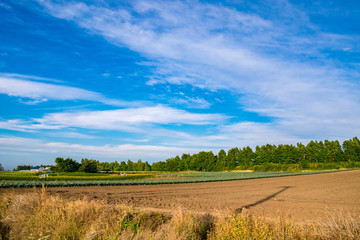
[130,165]
[104,167]
[158,166]
[303,161]
[322,152]
[352,149]
[89,165]
[1,167]
[139,166]
[23,167]
[186,159]
[246,157]
[210,162]
[221,160]
[232,158]
[123,166]
[67,165]
[147,166]
[312,150]
[115,166]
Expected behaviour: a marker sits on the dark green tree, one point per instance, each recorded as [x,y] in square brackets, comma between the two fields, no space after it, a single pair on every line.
[147,166]
[246,157]
[67,165]
[158,166]
[115,166]
[130,165]
[312,151]
[221,160]
[210,162]
[123,166]
[186,159]
[104,167]
[232,158]
[139,166]
[89,165]
[23,167]
[352,149]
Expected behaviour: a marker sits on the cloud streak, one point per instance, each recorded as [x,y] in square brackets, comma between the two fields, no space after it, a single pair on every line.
[17,85]
[215,47]
[119,152]
[129,119]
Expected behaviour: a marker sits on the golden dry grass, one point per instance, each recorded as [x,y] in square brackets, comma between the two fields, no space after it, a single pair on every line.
[39,216]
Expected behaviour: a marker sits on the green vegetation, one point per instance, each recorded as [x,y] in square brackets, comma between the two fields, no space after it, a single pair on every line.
[23,167]
[139,179]
[265,161]
[288,158]
[314,156]
[34,178]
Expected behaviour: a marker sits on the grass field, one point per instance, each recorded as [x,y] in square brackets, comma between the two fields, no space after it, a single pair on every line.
[26,179]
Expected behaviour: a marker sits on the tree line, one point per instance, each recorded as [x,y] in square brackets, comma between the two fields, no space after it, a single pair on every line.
[328,154]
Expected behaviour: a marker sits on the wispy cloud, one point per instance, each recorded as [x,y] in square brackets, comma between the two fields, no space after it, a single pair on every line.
[238,135]
[130,119]
[118,152]
[191,102]
[267,61]
[17,85]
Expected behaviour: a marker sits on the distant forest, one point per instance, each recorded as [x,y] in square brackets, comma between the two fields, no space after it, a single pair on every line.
[315,155]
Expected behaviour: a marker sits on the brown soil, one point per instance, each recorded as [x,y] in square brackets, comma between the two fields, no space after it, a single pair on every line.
[302,198]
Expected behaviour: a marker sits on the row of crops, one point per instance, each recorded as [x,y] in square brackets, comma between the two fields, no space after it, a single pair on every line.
[103,177]
[191,177]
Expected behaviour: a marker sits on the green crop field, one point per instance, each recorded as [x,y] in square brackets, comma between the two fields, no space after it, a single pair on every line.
[16,179]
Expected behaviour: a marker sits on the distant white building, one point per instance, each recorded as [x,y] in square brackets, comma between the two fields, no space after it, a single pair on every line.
[40,169]
[37,169]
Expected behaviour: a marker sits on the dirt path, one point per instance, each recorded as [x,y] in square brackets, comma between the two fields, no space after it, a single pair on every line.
[300,197]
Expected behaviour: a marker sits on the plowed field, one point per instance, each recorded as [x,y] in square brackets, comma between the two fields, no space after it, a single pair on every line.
[303,198]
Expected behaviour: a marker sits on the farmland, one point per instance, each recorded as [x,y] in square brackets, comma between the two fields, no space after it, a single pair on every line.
[310,206]
[33,177]
[303,197]
[26,179]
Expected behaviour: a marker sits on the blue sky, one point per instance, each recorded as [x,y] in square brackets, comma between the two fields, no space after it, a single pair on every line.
[118,80]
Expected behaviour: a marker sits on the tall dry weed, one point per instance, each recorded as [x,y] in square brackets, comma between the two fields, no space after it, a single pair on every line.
[39,216]
[341,225]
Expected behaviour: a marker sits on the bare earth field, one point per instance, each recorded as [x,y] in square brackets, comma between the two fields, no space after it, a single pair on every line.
[302,198]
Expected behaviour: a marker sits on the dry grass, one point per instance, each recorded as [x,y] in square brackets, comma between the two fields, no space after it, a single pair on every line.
[343,225]
[38,216]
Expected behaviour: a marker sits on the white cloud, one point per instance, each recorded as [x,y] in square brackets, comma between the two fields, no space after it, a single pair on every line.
[25,126]
[17,85]
[130,119]
[69,134]
[117,152]
[215,47]
[29,77]
[240,134]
